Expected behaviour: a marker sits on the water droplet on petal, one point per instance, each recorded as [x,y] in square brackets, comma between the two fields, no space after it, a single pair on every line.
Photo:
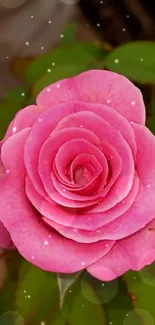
[14,129]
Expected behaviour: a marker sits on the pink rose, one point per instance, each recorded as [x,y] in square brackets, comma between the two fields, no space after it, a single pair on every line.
[78,189]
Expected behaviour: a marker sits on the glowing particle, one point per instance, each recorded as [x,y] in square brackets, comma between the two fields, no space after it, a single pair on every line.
[27,43]
[133,102]
[14,129]
[46,242]
[116,60]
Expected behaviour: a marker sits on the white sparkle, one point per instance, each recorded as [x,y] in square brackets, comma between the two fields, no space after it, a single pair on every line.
[42,48]
[107,245]
[53,63]
[98,230]
[28,296]
[64,190]
[83,263]
[46,242]
[81,126]
[134,278]
[131,122]
[48,70]
[116,60]
[49,236]
[39,119]
[7,57]
[49,21]
[33,257]
[127,315]
[22,94]
[32,16]
[103,284]
[42,323]
[133,102]
[58,85]
[7,171]
[24,291]
[61,35]
[98,25]
[70,291]
[14,129]
[108,101]
[148,185]
[101,2]
[27,43]
[111,157]
[123,29]
[48,89]
[82,305]
[142,59]
[110,323]
[127,16]
[75,230]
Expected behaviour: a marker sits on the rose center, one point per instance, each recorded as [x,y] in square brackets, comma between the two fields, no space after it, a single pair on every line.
[82,175]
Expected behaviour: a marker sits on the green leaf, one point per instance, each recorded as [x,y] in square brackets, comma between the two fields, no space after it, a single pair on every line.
[7,113]
[77,54]
[12,101]
[64,282]
[69,33]
[16,94]
[135,60]
[37,297]
[77,309]
[141,286]
[59,72]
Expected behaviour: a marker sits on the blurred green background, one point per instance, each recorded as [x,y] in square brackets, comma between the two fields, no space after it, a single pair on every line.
[29,295]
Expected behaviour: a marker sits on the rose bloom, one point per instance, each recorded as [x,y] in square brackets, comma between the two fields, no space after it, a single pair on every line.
[77,186]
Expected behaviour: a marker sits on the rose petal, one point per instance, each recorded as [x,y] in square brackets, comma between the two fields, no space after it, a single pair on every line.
[143,209]
[97,86]
[133,253]
[34,241]
[69,151]
[107,133]
[84,236]
[72,217]
[5,240]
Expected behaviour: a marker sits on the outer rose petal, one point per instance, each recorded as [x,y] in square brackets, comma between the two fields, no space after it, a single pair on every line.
[97,86]
[37,243]
[133,253]
[5,240]
[24,118]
